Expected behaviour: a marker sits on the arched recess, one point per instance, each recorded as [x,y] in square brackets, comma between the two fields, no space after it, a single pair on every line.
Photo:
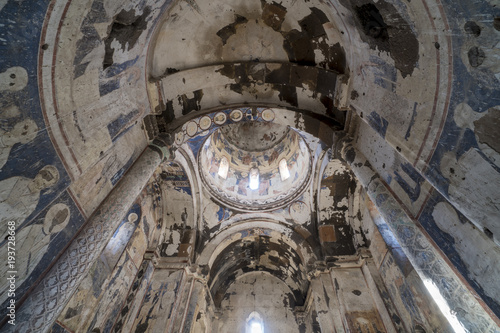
[188,139]
[179,218]
[273,84]
[258,246]
[292,55]
[337,187]
[195,130]
[232,30]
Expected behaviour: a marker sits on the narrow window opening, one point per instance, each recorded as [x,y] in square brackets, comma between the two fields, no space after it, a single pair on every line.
[256,327]
[284,172]
[223,167]
[254,179]
[254,323]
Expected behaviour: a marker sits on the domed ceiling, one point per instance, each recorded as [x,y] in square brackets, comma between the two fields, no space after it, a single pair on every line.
[254,165]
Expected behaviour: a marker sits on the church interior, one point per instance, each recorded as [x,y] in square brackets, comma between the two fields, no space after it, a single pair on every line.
[250,166]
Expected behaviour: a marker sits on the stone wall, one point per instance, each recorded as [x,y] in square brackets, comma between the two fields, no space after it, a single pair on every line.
[265,294]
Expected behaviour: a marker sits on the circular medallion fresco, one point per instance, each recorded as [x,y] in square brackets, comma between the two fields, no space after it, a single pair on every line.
[268,115]
[205,122]
[236,115]
[220,118]
[191,128]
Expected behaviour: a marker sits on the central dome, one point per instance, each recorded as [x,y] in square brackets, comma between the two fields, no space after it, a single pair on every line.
[254,165]
[253,136]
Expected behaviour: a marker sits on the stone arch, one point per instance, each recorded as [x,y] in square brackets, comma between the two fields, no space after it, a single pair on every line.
[258,246]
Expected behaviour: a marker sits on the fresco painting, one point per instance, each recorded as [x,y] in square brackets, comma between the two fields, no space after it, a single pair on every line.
[105,287]
[236,184]
[36,172]
[40,241]
[72,99]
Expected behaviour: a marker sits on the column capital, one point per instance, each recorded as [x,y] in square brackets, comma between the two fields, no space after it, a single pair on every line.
[340,140]
[163,145]
[200,272]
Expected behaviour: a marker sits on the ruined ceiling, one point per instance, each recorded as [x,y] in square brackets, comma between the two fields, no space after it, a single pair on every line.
[252,83]
[274,228]
[289,55]
[227,31]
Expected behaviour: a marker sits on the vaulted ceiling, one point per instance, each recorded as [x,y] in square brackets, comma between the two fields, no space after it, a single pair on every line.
[400,96]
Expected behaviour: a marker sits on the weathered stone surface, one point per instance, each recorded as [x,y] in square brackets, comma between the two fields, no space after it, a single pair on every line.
[85,85]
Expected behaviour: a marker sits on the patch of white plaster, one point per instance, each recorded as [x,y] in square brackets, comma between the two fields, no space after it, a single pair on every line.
[327,201]
[343,203]
[174,245]
[102,29]
[474,187]
[3,3]
[319,56]
[465,117]
[10,111]
[480,254]
[210,213]
[13,79]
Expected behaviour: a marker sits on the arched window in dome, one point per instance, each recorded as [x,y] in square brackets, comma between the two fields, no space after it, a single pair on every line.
[223,167]
[254,179]
[284,172]
[255,323]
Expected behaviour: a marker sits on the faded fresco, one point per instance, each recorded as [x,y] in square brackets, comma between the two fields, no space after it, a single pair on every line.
[236,187]
[103,299]
[179,219]
[62,147]
[439,218]
[335,226]
[84,87]
[437,154]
